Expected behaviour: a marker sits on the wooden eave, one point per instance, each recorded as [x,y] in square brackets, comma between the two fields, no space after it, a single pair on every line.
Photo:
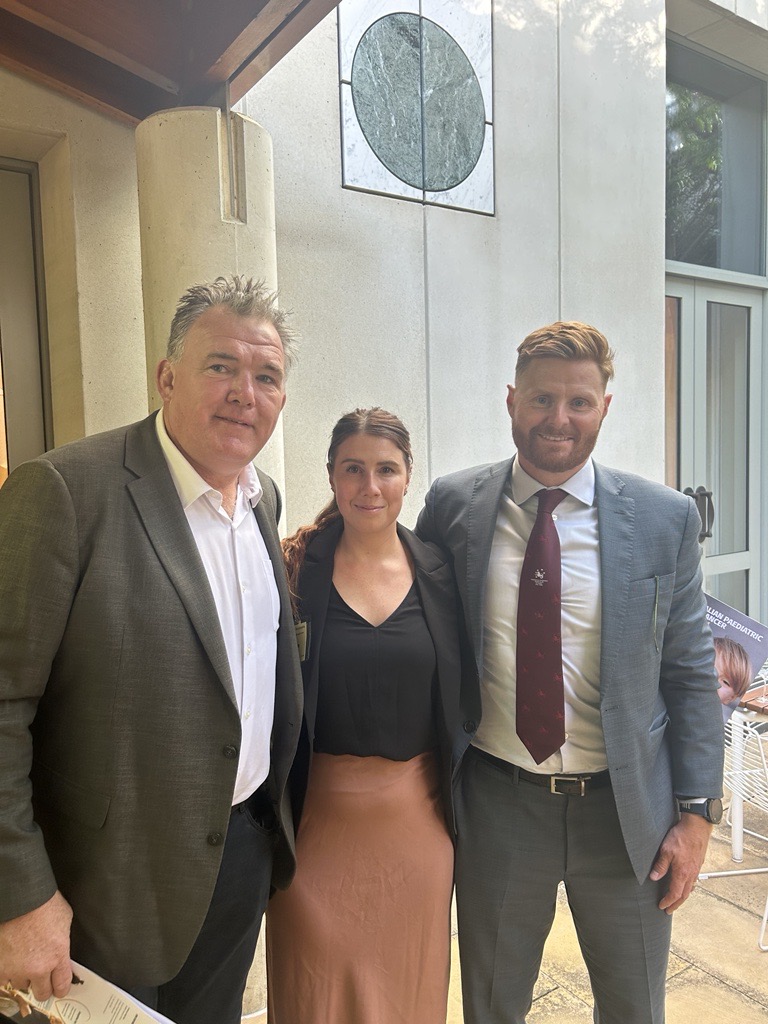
[130,58]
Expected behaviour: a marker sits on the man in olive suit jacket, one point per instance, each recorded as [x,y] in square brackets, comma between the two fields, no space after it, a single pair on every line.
[150,695]
[577,773]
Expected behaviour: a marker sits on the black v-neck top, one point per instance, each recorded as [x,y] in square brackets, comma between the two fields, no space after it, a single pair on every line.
[376,683]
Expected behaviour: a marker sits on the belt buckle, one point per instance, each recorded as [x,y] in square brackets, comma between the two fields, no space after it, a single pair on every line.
[555,779]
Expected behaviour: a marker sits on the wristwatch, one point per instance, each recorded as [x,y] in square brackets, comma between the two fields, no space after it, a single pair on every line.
[710,809]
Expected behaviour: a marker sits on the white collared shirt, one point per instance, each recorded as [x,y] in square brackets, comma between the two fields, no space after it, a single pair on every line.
[244,591]
[576,522]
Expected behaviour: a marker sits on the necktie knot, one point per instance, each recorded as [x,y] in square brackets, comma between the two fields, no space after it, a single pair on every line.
[549,499]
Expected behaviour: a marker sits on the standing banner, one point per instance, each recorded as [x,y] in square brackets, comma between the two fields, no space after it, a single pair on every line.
[741,650]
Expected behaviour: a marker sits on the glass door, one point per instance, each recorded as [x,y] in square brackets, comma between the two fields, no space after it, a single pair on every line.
[715,333]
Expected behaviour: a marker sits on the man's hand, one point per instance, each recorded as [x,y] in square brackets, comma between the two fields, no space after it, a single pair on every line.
[34,949]
[680,858]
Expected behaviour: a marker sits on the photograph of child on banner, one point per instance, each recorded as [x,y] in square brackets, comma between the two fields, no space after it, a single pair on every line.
[741,650]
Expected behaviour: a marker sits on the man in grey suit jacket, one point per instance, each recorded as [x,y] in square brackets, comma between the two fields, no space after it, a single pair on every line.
[620,806]
[150,693]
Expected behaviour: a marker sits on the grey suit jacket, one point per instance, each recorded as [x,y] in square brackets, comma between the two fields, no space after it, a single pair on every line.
[660,712]
[117,709]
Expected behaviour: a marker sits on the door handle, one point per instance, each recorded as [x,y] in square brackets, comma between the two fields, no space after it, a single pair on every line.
[706,508]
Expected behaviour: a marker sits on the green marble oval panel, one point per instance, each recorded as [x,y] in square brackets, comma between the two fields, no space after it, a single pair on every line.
[418,102]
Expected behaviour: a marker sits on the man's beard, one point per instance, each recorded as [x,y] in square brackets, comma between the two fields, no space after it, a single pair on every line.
[539,453]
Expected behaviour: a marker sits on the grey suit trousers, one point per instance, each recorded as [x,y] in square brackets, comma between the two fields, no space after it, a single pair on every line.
[516,843]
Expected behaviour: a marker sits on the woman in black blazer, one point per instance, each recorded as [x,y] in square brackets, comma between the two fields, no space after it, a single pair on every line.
[363,934]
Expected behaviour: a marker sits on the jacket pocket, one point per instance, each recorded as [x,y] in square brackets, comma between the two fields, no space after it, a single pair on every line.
[650,600]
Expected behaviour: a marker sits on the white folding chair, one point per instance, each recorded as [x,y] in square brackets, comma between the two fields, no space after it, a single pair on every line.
[746,775]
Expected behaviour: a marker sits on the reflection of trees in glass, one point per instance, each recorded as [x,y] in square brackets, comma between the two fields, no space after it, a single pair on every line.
[694,175]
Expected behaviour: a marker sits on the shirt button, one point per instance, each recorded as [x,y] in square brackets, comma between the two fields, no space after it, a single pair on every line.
[215,838]
[230,751]
[248,713]
[248,649]
[242,587]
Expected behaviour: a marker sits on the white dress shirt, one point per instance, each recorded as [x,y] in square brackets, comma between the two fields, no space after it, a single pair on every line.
[244,591]
[576,522]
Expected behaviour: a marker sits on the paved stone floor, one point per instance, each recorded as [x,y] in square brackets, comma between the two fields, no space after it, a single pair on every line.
[717,974]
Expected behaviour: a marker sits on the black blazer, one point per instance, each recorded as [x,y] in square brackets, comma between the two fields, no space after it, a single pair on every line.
[437,590]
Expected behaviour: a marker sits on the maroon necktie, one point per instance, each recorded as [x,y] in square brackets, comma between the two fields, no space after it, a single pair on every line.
[540,708]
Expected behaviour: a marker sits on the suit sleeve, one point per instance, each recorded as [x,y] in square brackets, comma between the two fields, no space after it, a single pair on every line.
[426,528]
[688,681]
[38,538]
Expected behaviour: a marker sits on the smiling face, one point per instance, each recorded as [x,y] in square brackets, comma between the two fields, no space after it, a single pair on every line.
[223,397]
[369,478]
[557,408]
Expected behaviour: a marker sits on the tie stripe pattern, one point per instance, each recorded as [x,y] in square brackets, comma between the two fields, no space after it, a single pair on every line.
[540,708]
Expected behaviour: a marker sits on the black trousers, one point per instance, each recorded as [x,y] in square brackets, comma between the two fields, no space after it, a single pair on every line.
[209,987]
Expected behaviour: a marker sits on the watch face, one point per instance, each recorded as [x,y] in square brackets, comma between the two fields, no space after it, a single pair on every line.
[715,811]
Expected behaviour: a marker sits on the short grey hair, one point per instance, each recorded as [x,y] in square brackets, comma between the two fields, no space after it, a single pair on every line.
[242,296]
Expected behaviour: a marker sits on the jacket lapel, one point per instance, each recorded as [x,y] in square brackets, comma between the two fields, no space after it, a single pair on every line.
[157,503]
[481,523]
[616,532]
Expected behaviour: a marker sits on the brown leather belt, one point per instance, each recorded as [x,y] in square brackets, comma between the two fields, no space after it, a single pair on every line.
[564,785]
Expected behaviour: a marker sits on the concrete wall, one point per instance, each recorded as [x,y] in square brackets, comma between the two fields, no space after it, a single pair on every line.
[350,265]
[753,11]
[732,28]
[417,309]
[91,252]
[420,309]
[92,236]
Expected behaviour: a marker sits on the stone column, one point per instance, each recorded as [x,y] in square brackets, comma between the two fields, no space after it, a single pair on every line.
[206,208]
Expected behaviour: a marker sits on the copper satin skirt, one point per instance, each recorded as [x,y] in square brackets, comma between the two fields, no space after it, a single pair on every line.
[362,936]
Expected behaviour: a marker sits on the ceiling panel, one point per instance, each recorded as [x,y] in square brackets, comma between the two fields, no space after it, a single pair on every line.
[131,58]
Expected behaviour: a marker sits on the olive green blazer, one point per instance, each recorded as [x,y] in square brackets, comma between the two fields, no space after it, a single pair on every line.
[117,709]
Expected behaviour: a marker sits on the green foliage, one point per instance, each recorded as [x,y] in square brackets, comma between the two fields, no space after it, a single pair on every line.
[694,175]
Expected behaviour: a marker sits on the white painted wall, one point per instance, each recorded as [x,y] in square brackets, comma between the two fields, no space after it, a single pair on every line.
[754,11]
[612,158]
[415,309]
[350,265]
[420,309]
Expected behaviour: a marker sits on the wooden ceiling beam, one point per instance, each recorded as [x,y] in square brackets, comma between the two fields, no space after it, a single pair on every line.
[220,38]
[296,24]
[44,57]
[130,58]
[139,36]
